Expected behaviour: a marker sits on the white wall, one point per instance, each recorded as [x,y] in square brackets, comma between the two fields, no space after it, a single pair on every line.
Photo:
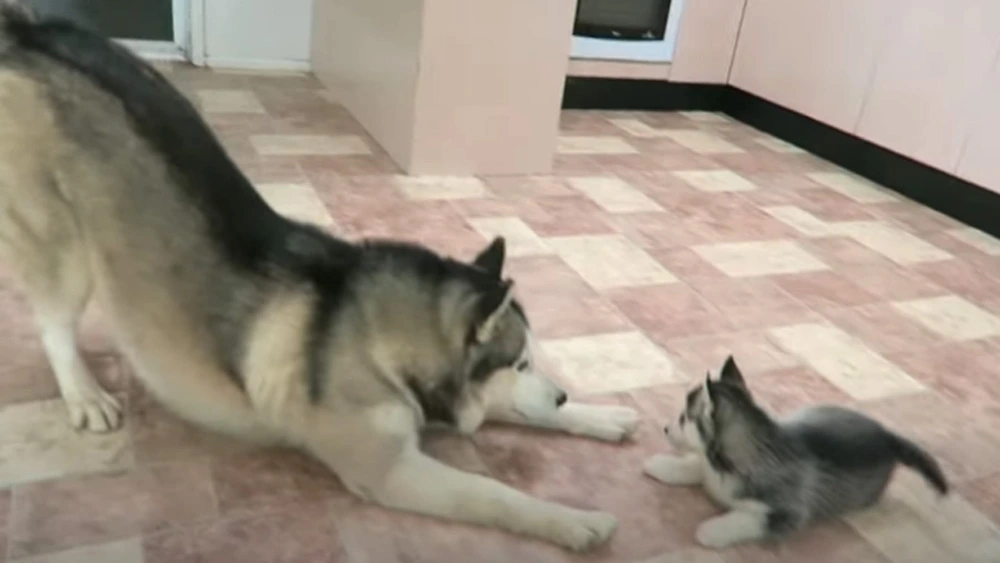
[258,34]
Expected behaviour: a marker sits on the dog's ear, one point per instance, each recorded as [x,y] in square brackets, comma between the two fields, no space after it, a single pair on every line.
[492,257]
[730,373]
[493,303]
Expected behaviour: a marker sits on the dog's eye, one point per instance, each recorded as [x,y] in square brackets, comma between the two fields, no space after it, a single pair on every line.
[521,366]
[683,418]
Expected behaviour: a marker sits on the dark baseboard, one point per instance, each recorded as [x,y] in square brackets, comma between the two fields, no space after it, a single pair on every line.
[638,94]
[964,201]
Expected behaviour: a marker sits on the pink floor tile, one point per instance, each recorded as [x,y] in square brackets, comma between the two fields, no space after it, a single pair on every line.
[268,481]
[53,516]
[984,494]
[306,534]
[666,312]
[824,290]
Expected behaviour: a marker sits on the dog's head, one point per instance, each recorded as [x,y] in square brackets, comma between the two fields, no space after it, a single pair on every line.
[720,404]
[497,369]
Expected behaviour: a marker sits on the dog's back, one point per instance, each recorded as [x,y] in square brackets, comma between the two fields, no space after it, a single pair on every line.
[847,459]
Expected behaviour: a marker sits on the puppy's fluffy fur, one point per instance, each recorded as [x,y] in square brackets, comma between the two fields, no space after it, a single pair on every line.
[777,476]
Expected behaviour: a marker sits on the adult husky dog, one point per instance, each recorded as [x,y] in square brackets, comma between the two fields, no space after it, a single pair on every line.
[248,323]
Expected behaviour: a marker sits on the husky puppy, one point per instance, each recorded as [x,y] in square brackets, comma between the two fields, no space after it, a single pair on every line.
[777,476]
[245,322]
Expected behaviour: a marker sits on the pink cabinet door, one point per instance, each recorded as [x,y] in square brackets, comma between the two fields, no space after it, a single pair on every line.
[813,56]
[980,161]
[936,60]
[705,41]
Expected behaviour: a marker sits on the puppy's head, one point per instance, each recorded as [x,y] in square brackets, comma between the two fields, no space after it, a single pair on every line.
[706,408]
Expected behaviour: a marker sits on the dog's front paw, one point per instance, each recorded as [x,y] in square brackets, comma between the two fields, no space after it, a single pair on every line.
[93,409]
[611,423]
[583,530]
[676,471]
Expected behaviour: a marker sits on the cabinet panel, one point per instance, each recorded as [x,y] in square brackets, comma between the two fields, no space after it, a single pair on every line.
[705,40]
[933,66]
[813,56]
[980,163]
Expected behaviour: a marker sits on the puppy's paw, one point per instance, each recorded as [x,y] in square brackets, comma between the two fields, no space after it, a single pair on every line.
[714,534]
[726,531]
[676,471]
[611,423]
[583,530]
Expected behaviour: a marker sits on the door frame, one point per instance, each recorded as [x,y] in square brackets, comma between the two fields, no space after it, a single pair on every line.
[189,36]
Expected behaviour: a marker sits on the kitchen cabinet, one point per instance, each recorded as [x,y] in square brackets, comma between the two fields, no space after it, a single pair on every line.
[813,56]
[933,66]
[980,161]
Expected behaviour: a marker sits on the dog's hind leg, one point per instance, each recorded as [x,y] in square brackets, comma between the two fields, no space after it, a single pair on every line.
[40,237]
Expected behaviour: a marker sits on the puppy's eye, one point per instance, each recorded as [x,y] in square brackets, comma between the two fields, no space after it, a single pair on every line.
[521,366]
[683,418]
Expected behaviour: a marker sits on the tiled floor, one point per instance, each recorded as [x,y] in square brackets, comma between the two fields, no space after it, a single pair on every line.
[660,243]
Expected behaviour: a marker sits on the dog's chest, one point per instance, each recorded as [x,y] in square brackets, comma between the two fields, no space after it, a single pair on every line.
[724,489]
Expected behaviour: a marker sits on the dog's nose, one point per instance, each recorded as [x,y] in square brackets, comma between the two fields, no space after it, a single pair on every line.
[561,399]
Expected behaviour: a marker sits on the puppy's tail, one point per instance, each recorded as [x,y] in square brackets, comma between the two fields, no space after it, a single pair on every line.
[916,458]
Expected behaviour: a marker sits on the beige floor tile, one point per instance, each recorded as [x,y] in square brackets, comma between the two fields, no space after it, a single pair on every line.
[716,180]
[124,551]
[760,258]
[609,363]
[778,145]
[702,142]
[692,555]
[441,187]
[297,201]
[520,239]
[912,525]
[705,116]
[844,361]
[229,101]
[951,316]
[895,244]
[637,128]
[801,220]
[37,442]
[858,189]
[610,261]
[307,145]
[614,195]
[977,239]
[594,145]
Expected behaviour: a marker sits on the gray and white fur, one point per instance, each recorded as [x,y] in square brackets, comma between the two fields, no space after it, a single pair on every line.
[777,476]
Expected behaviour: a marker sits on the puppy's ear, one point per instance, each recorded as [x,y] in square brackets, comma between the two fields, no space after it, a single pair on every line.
[493,303]
[708,390]
[730,373]
[492,257]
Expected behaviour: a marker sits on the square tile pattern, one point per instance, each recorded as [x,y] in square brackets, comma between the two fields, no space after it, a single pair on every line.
[660,243]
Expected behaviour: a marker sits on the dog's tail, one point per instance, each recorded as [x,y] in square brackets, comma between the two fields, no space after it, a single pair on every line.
[916,458]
